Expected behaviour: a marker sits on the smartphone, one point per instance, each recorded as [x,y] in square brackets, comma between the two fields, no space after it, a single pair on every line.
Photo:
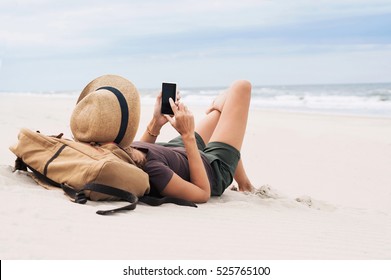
[168,90]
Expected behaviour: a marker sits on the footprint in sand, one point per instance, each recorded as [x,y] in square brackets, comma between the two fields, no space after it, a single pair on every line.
[315,204]
[305,200]
[266,191]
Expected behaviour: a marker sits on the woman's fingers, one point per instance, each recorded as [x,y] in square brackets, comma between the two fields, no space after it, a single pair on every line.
[178,107]
[174,106]
[169,119]
[178,97]
[181,106]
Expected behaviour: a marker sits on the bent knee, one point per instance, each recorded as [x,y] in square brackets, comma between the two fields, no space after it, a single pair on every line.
[242,87]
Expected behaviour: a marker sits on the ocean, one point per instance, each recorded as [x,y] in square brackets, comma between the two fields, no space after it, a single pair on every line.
[346,99]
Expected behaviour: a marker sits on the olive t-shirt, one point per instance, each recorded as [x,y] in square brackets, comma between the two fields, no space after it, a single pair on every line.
[162,162]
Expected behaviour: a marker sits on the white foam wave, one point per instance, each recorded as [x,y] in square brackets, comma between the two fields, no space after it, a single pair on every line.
[361,99]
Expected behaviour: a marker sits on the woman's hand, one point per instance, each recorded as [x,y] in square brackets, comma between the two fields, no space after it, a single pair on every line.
[160,119]
[198,189]
[183,120]
[152,130]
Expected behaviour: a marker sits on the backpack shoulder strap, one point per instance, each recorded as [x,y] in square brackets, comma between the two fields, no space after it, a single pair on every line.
[79,196]
[123,195]
[157,201]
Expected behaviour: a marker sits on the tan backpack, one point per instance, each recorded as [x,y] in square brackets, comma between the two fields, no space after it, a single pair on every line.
[96,172]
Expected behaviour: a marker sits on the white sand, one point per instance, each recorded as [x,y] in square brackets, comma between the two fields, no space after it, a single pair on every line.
[338,166]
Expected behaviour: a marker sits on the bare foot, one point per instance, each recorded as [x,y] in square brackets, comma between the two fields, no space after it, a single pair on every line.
[218,102]
[247,187]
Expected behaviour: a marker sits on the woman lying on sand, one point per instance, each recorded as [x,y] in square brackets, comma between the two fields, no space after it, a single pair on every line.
[204,159]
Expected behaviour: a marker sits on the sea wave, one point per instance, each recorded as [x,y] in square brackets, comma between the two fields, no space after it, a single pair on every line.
[358,99]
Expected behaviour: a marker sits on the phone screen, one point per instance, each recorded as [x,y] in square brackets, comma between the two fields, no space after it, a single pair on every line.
[168,90]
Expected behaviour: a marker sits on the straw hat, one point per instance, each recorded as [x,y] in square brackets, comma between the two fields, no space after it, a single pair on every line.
[108,110]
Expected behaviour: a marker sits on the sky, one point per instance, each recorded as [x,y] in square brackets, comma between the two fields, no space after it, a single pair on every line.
[48,45]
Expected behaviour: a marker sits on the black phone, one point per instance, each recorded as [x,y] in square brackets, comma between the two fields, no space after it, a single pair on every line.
[168,90]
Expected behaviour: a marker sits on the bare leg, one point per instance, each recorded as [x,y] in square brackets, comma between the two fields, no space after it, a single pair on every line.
[226,121]
[241,178]
[205,129]
[207,125]
[231,126]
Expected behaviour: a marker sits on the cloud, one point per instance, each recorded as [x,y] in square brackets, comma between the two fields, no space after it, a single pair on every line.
[39,21]
[77,36]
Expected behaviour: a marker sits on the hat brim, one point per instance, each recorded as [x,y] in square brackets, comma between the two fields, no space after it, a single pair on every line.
[131,95]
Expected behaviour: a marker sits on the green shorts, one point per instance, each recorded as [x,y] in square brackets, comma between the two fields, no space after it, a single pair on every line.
[222,157]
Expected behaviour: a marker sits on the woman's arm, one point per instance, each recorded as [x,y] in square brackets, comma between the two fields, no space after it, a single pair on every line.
[152,130]
[198,189]
[158,120]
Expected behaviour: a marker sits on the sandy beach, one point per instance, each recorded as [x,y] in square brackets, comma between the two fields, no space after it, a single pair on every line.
[326,185]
